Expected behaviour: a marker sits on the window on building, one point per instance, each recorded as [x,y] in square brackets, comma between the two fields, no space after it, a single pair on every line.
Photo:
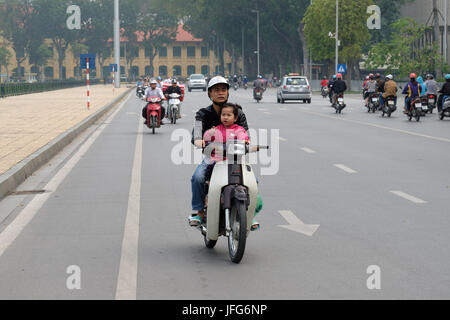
[163,71]
[63,75]
[16,73]
[191,51]
[148,71]
[122,51]
[147,52]
[205,70]
[177,51]
[177,71]
[190,70]
[33,69]
[48,72]
[205,52]
[51,51]
[134,71]
[105,72]
[163,51]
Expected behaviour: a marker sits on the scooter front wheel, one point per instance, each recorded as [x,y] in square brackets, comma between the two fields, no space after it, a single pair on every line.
[210,244]
[238,235]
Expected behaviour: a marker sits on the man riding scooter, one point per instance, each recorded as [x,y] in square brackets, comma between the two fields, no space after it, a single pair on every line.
[153,91]
[258,84]
[174,88]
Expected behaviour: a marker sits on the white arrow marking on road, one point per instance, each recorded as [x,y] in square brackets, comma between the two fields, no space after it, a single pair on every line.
[297,225]
[408,197]
[346,169]
[308,150]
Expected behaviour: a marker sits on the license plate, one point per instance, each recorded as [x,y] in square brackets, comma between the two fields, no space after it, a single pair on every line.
[432,101]
[374,100]
[390,102]
[418,105]
[340,100]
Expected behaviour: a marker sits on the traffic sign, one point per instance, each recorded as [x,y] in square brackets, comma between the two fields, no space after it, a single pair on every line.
[83,61]
[342,68]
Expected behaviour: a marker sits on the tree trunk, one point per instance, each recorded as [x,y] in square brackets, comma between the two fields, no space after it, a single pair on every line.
[305,50]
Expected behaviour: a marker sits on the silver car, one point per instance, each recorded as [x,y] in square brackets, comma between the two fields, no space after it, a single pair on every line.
[197,81]
[294,87]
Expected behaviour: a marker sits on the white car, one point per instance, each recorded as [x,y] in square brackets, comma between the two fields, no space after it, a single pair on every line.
[294,87]
[197,81]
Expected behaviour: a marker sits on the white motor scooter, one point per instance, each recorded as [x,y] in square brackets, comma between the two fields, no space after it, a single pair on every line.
[174,107]
[232,194]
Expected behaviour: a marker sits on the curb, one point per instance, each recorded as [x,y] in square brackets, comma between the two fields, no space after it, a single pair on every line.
[16,175]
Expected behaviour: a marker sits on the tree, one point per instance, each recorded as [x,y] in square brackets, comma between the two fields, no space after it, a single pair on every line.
[320,20]
[16,26]
[50,20]
[404,53]
[5,56]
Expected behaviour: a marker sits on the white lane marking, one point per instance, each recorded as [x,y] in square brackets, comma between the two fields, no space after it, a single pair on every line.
[345,168]
[284,109]
[269,113]
[12,231]
[408,197]
[297,225]
[261,109]
[377,126]
[306,108]
[282,139]
[307,150]
[127,279]
[131,113]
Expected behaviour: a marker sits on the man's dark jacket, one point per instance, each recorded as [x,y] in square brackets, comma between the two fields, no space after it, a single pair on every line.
[209,118]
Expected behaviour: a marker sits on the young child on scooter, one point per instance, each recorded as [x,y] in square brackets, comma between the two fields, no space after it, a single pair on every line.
[224,132]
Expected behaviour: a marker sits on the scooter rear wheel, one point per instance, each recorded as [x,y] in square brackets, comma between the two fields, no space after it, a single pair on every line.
[238,235]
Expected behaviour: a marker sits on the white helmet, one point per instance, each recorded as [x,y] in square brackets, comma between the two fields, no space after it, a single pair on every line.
[153,81]
[218,80]
[390,76]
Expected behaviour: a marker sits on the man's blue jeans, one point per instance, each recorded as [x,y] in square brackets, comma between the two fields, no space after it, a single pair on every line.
[198,185]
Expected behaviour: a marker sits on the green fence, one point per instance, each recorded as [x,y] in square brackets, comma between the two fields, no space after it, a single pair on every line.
[16,89]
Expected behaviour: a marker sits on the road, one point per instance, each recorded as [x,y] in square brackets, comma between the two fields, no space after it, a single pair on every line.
[107,218]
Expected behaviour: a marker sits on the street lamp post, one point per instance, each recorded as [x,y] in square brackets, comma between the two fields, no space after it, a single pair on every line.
[117,43]
[257,35]
[337,35]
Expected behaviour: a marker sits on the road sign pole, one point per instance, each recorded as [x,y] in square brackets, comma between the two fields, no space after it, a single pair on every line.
[88,88]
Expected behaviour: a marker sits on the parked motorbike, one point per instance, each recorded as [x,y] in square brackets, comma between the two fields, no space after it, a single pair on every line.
[153,113]
[173,111]
[445,112]
[258,94]
[415,110]
[389,106]
[432,101]
[232,193]
[374,102]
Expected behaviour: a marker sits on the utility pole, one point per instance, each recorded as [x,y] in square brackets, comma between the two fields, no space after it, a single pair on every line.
[445,29]
[337,35]
[243,54]
[257,35]
[117,42]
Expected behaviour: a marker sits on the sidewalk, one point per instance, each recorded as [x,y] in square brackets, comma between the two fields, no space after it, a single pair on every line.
[29,122]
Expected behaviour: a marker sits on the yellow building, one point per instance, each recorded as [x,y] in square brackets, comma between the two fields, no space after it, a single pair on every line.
[186,55]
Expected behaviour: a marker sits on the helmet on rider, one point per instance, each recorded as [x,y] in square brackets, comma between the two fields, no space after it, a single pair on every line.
[159,78]
[324,78]
[260,77]
[339,76]
[367,77]
[430,76]
[174,81]
[217,81]
[378,75]
[413,76]
[389,77]
[334,76]
[153,81]
[447,77]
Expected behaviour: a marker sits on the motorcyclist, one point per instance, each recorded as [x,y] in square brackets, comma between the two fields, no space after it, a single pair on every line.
[370,87]
[258,84]
[174,88]
[245,81]
[422,85]
[412,90]
[323,83]
[445,92]
[159,84]
[153,91]
[390,89]
[139,84]
[235,79]
[205,119]
[330,88]
[431,85]
[339,87]
[380,87]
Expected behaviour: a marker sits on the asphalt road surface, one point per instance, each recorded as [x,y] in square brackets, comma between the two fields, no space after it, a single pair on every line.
[355,207]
